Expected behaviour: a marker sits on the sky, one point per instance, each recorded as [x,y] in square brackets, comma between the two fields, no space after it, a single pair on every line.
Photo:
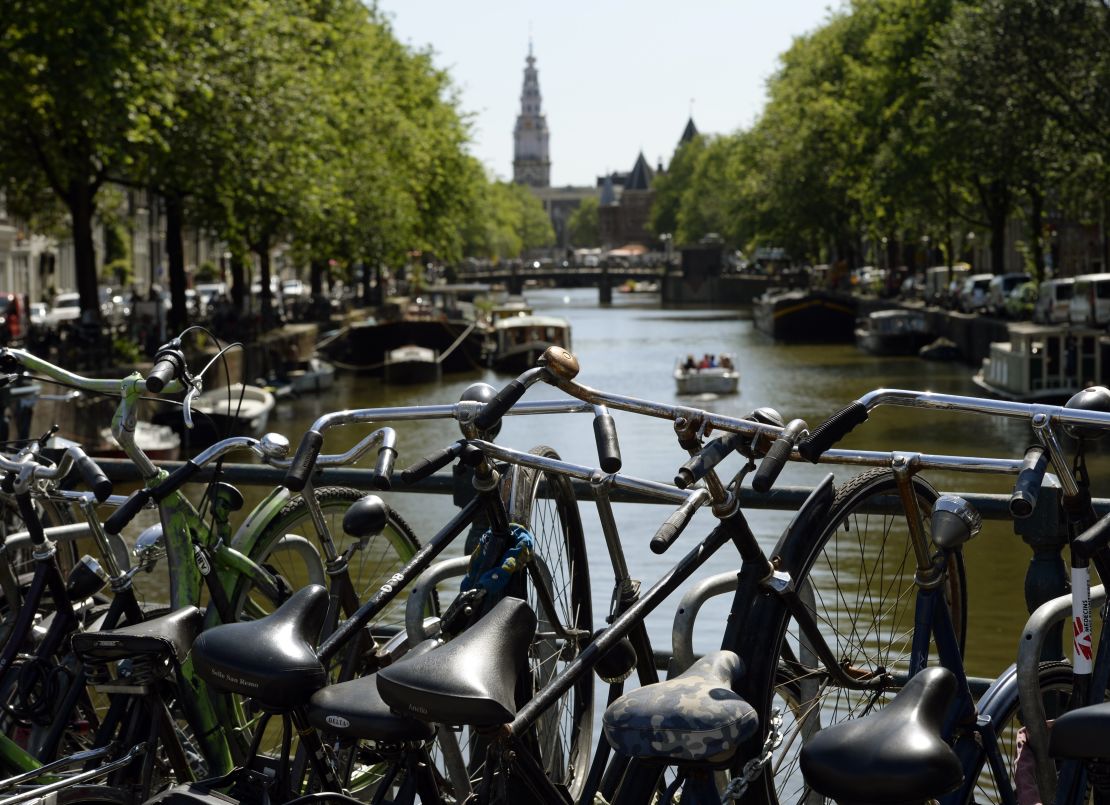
[616,76]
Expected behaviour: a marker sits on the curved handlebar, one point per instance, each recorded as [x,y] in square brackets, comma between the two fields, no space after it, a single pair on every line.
[677,522]
[91,473]
[710,456]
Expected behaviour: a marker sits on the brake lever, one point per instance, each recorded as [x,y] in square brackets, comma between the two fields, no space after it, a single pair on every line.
[187,406]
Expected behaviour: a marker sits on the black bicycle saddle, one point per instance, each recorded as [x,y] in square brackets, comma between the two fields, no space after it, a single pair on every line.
[694,717]
[169,635]
[272,659]
[355,709]
[471,680]
[1082,733]
[893,756]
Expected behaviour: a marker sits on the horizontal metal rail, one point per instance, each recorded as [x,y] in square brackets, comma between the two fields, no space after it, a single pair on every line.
[785,498]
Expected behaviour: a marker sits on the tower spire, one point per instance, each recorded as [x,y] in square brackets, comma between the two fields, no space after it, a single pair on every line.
[531,161]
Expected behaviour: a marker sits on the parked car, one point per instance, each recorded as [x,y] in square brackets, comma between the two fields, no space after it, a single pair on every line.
[294,288]
[1090,301]
[972,296]
[209,292]
[1021,301]
[38,314]
[939,279]
[1054,300]
[66,307]
[998,291]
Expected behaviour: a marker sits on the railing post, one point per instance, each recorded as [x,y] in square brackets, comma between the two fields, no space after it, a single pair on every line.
[1045,531]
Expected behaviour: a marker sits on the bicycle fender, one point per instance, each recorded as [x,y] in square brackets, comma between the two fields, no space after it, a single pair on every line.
[808,518]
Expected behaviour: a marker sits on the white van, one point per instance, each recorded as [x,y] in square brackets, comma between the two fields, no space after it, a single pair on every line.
[937,282]
[1054,300]
[999,289]
[1090,301]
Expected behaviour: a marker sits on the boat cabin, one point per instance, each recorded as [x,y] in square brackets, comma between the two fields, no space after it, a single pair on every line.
[1042,362]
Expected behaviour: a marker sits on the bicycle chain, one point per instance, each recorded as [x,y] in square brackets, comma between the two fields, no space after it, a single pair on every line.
[738,786]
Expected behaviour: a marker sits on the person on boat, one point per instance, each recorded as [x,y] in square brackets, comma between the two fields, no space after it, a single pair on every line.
[704,363]
[726,362]
[690,364]
[712,361]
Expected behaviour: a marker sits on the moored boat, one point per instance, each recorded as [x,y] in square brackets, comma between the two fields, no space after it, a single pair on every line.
[722,378]
[893,332]
[411,364]
[1044,363]
[220,412]
[519,340]
[314,376]
[805,315]
[159,442]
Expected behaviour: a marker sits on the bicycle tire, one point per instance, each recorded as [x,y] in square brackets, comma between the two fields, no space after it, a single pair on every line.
[863,559]
[545,504]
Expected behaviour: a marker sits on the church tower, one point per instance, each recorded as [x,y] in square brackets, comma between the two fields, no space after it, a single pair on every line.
[531,162]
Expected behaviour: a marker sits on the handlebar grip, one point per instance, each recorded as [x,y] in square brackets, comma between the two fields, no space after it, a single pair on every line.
[174,481]
[500,404]
[383,472]
[162,373]
[608,449]
[710,456]
[1024,497]
[831,431]
[670,530]
[126,513]
[93,476]
[771,465]
[303,461]
[429,464]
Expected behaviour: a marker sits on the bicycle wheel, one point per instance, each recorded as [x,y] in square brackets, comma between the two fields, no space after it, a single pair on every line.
[370,565]
[856,575]
[283,548]
[1054,681]
[544,503]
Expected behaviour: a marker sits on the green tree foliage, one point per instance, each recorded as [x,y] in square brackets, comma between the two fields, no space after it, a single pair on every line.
[899,120]
[584,224]
[507,221]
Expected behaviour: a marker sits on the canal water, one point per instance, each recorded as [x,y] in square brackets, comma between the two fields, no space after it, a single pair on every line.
[630,348]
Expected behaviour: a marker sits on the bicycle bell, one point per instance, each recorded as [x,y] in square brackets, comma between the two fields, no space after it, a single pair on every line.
[1095,398]
[483,393]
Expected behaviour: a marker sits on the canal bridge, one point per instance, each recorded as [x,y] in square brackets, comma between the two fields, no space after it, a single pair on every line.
[604,277]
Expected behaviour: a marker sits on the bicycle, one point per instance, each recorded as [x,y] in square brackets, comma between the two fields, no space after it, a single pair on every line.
[831,695]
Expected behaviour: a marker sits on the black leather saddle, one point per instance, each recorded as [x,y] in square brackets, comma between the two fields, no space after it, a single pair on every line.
[166,637]
[1082,733]
[694,717]
[894,756]
[272,659]
[471,680]
[355,709]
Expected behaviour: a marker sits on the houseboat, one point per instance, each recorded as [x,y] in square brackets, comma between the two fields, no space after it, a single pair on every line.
[518,341]
[1044,363]
[806,315]
[893,332]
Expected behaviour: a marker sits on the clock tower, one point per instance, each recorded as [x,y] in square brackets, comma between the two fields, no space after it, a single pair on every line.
[531,161]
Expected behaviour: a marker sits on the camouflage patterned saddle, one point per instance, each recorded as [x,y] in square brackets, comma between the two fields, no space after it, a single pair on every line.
[695,717]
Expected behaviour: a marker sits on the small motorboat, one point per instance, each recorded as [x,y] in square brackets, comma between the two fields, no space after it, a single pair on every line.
[943,349]
[313,376]
[159,442]
[893,332]
[220,412]
[722,377]
[412,364]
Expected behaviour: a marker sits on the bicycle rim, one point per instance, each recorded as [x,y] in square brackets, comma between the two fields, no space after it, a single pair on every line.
[856,578]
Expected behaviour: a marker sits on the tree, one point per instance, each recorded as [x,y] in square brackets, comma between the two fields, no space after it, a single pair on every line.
[670,186]
[584,224]
[85,87]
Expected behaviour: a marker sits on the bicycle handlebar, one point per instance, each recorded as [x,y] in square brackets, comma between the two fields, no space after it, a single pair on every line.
[304,461]
[432,462]
[699,465]
[677,522]
[831,431]
[1028,484]
[91,473]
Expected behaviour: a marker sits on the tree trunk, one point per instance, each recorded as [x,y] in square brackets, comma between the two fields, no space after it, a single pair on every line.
[263,250]
[316,277]
[998,243]
[366,282]
[81,210]
[175,255]
[238,291]
[1036,223]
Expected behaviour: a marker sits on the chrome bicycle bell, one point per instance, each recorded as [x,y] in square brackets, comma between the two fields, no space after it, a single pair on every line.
[483,393]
